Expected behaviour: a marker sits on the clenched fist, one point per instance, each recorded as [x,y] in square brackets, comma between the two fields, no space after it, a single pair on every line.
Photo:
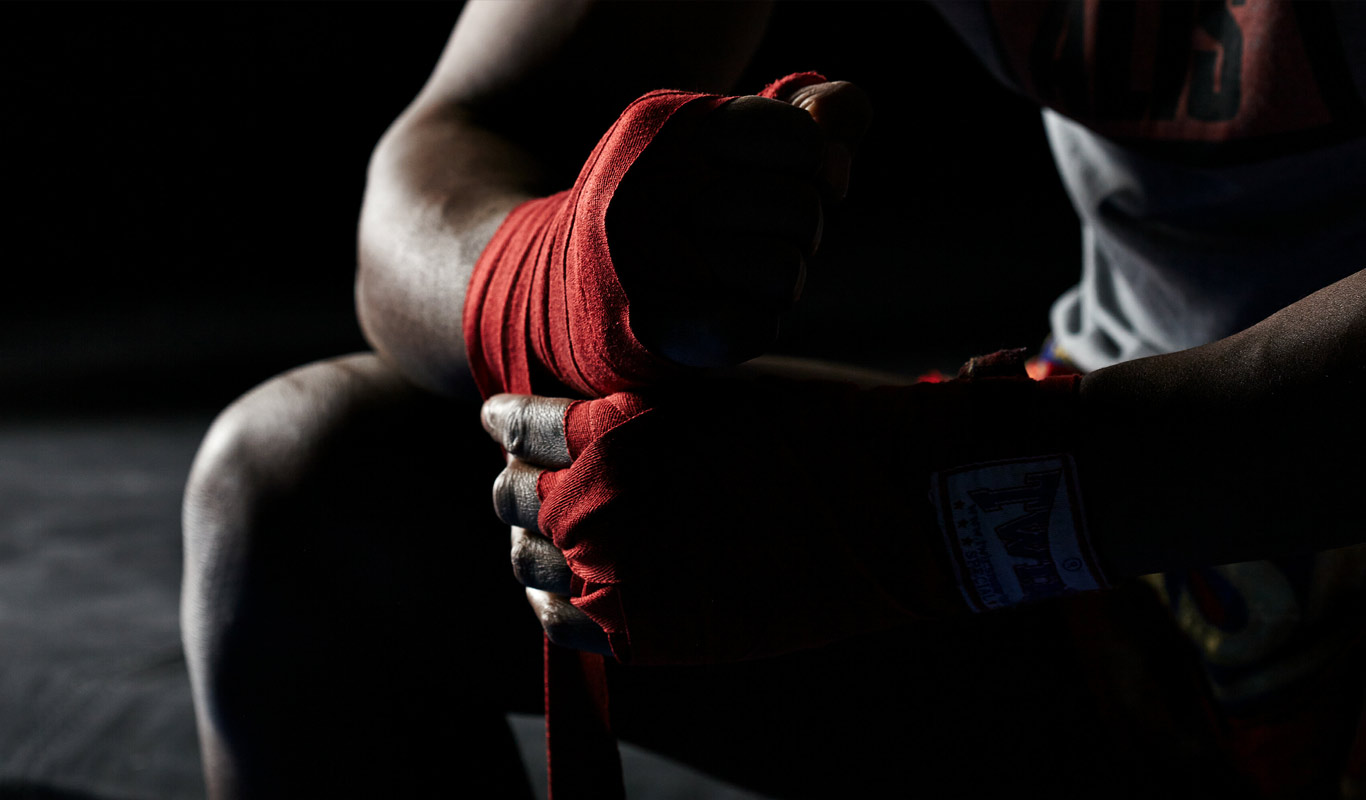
[750,518]
[684,239]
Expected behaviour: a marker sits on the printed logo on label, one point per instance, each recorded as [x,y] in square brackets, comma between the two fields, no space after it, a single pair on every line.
[1015,531]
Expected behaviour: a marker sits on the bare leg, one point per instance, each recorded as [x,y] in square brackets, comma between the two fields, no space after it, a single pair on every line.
[347,613]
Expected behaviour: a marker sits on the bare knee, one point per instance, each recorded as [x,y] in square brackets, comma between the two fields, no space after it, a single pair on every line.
[327,517]
[250,457]
[303,444]
[299,489]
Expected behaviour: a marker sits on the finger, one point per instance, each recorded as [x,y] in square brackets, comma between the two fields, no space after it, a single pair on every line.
[538,563]
[514,495]
[844,113]
[768,271]
[530,428]
[761,204]
[759,133]
[565,625]
[841,109]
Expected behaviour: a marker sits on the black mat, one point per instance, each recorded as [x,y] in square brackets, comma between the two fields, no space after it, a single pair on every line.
[94,697]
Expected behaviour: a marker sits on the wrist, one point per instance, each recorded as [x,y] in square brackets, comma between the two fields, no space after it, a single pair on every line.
[1006,516]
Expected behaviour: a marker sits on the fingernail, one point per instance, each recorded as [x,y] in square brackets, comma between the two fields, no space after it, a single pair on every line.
[836,168]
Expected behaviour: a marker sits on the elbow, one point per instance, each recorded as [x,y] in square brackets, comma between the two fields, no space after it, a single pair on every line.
[374,252]
[376,283]
[409,322]
[373,263]
[431,203]
[408,295]
[373,312]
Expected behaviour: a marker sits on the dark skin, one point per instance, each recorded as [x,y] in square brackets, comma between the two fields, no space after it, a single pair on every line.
[462,156]
[1242,449]
[459,159]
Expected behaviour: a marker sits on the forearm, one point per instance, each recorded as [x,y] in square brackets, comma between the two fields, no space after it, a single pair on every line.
[1245,448]
[519,96]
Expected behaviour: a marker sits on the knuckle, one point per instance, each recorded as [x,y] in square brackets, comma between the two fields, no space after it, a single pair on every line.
[553,619]
[520,553]
[536,563]
[533,431]
[517,432]
[505,497]
[525,574]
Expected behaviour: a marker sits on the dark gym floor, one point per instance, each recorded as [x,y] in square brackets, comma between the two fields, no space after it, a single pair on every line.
[94,697]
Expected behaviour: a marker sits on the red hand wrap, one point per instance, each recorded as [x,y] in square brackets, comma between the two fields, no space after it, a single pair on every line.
[783,87]
[545,301]
[545,310]
[804,523]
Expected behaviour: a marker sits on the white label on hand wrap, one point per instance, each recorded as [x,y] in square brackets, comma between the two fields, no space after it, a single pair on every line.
[1015,531]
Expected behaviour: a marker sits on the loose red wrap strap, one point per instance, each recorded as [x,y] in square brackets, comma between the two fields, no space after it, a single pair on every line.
[582,762]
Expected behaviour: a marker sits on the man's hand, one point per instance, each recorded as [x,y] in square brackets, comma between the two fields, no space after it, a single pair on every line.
[740,519]
[681,243]
[497,125]
[686,530]
[531,429]
[713,227]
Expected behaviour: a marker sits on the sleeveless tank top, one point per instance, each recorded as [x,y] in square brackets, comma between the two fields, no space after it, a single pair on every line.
[1215,153]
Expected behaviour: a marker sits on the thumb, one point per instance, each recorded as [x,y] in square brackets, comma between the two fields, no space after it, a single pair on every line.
[843,112]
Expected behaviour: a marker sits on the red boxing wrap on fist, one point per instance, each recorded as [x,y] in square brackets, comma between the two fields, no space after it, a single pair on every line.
[546,312]
[545,301]
[546,309]
[807,521]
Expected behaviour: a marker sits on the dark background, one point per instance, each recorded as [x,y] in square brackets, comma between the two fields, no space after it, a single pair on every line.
[181,187]
[182,184]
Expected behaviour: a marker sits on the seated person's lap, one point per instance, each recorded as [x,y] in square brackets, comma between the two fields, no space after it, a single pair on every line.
[365,620]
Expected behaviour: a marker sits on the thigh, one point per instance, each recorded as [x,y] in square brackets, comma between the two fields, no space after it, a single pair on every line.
[1033,698]
[378,517]
[929,707]
[1094,696]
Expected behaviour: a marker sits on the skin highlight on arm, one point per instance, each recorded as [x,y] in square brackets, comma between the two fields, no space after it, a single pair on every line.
[520,92]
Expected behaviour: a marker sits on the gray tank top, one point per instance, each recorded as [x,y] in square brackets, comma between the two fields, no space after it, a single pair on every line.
[1215,154]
